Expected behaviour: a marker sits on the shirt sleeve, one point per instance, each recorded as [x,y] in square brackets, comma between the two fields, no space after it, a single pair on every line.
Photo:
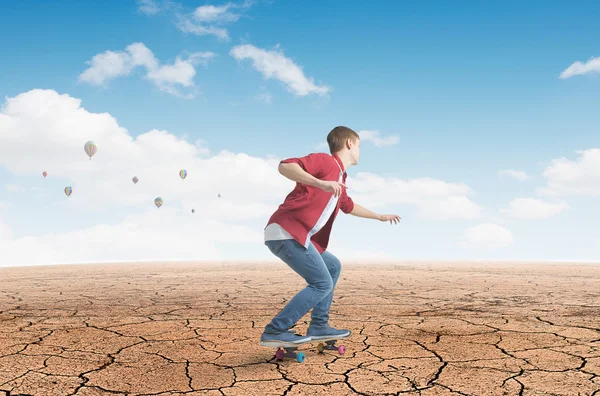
[312,163]
[346,203]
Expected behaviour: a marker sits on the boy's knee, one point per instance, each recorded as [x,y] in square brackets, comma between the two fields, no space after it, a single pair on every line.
[334,266]
[325,285]
[337,266]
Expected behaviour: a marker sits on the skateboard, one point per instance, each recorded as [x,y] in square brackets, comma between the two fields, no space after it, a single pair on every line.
[324,344]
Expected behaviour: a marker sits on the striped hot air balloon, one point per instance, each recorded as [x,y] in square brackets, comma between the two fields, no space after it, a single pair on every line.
[90,149]
[182,173]
[135,179]
[68,190]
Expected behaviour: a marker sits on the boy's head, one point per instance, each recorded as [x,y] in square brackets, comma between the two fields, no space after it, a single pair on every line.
[343,140]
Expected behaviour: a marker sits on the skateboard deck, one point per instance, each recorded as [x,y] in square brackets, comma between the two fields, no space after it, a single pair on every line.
[285,350]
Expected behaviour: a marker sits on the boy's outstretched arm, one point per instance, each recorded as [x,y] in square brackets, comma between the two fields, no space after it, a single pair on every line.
[359,211]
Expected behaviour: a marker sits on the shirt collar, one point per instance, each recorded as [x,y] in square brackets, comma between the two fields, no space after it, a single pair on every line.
[339,161]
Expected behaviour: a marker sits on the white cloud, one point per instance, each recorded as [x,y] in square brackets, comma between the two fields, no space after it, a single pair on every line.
[5,234]
[203,19]
[519,175]
[211,13]
[487,235]
[264,96]
[109,65]
[148,7]
[188,26]
[436,199]
[373,136]
[580,68]
[154,235]
[452,207]
[274,64]
[14,188]
[43,130]
[578,177]
[532,208]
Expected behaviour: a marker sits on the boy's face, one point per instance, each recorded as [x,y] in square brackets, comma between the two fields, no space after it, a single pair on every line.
[354,150]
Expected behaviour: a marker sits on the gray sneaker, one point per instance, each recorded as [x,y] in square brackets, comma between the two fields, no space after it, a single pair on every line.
[285,339]
[326,332]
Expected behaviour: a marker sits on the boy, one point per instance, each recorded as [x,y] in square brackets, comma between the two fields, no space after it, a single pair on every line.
[298,233]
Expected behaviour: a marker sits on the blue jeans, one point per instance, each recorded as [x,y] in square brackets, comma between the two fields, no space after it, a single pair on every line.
[321,272]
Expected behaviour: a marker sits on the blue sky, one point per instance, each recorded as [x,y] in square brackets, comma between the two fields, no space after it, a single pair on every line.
[456,93]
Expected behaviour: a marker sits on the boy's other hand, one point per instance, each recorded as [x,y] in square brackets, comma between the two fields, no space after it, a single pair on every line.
[332,187]
[392,218]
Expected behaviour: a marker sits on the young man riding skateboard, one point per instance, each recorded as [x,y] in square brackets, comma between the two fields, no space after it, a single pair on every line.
[298,233]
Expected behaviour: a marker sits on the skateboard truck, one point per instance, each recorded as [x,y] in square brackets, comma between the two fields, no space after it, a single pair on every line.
[330,345]
[289,352]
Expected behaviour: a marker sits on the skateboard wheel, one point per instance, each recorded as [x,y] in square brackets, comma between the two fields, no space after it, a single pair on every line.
[341,349]
[300,357]
[320,347]
[279,354]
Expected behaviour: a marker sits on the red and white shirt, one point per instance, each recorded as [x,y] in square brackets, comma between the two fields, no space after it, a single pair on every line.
[307,213]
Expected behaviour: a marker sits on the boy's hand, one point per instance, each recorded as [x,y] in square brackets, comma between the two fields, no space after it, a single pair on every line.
[390,217]
[332,187]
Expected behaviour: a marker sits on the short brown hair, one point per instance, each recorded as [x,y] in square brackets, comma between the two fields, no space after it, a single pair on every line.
[336,139]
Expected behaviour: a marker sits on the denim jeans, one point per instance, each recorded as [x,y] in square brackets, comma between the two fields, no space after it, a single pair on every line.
[321,272]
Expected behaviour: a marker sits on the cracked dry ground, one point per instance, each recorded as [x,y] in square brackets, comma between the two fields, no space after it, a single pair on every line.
[418,328]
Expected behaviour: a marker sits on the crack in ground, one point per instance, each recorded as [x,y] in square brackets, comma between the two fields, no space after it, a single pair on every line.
[437,374]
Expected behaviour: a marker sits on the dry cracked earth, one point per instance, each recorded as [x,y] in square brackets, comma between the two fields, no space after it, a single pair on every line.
[194,329]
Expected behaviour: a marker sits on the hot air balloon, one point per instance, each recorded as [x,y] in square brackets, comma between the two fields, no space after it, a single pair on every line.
[90,149]
[219,195]
[135,179]
[193,210]
[158,202]
[44,173]
[68,190]
[182,173]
